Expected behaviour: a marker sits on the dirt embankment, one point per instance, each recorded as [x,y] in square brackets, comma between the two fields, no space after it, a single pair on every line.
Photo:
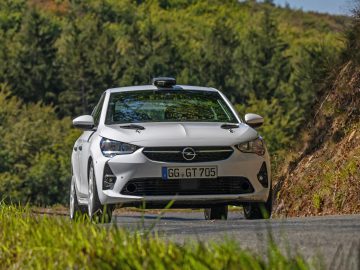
[324,178]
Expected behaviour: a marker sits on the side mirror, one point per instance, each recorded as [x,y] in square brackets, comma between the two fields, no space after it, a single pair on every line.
[254,120]
[85,122]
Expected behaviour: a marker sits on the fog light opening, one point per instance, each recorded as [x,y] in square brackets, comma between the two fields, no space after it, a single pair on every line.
[109,178]
[131,188]
[109,181]
[263,176]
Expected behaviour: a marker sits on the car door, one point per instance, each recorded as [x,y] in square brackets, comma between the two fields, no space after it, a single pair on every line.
[84,147]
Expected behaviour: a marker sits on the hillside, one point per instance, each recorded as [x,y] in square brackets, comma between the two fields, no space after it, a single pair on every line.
[324,177]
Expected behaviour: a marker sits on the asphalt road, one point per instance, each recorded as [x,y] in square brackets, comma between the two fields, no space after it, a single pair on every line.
[334,238]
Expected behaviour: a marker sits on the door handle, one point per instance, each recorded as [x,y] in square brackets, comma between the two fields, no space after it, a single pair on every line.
[80,147]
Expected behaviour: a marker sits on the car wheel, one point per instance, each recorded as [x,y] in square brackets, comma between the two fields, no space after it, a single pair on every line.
[258,210]
[216,212]
[97,212]
[76,210]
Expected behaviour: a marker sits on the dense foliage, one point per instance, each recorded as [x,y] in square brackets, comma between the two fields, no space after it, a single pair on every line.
[34,151]
[66,53]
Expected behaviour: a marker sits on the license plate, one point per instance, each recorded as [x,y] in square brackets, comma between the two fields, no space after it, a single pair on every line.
[189,172]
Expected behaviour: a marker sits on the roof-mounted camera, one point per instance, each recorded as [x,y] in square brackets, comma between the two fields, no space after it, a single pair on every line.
[164,82]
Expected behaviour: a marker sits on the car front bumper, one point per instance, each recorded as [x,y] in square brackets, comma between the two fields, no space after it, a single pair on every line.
[138,166]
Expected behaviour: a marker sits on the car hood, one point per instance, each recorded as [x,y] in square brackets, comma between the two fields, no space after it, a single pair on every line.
[180,134]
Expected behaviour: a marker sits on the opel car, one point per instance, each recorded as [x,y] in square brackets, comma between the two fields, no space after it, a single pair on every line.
[166,144]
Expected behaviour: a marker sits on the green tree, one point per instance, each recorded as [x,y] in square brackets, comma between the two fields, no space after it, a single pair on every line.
[263,65]
[279,126]
[217,63]
[87,53]
[267,85]
[147,49]
[316,61]
[32,72]
[11,13]
[35,150]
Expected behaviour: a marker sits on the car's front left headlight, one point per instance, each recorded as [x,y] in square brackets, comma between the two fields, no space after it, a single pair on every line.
[256,146]
[111,148]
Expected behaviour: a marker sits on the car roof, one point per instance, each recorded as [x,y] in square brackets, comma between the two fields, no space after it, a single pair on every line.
[152,87]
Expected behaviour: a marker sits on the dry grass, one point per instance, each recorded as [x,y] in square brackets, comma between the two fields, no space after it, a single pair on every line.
[325,177]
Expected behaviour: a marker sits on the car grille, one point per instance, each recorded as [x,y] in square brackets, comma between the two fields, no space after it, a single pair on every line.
[175,154]
[160,187]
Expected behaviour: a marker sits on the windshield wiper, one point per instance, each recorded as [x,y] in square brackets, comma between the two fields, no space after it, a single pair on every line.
[229,126]
[132,126]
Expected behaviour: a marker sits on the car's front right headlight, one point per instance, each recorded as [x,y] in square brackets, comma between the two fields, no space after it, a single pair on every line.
[111,148]
[256,146]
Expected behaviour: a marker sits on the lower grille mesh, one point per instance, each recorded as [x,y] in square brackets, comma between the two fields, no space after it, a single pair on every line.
[160,187]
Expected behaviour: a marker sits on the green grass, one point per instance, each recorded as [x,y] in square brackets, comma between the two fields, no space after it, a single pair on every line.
[29,241]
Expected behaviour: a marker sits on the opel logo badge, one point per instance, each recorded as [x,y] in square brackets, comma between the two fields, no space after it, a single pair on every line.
[188,153]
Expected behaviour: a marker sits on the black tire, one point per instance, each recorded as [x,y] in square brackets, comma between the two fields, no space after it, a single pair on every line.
[97,212]
[76,210]
[216,212]
[258,210]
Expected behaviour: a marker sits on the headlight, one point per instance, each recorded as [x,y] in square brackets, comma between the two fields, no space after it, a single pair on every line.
[256,146]
[111,148]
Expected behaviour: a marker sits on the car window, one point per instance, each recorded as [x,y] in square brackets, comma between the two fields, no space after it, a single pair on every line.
[168,106]
[97,110]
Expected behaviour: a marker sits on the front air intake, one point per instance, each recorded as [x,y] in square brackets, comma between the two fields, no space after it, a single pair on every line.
[109,178]
[156,186]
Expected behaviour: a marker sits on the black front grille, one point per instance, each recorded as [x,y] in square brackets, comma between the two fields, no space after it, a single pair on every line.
[160,187]
[175,154]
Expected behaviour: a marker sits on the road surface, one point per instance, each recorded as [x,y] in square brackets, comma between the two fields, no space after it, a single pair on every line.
[335,238]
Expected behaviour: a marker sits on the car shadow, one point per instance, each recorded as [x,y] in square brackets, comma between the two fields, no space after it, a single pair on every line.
[155,217]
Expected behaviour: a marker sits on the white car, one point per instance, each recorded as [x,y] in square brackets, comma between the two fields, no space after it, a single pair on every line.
[148,146]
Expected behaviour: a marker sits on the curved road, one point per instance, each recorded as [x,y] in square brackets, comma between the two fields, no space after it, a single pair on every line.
[335,238]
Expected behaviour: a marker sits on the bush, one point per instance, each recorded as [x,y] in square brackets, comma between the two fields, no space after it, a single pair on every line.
[280,126]
[35,152]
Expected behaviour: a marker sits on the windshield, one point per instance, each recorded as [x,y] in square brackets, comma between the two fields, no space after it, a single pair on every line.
[167,106]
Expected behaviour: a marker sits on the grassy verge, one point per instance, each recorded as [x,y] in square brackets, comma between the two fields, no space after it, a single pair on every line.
[29,241]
